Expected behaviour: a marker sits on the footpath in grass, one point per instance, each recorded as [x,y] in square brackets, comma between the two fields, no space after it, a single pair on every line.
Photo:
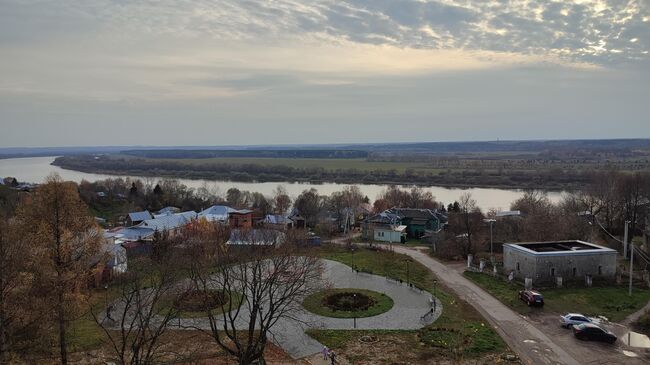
[612,302]
[459,333]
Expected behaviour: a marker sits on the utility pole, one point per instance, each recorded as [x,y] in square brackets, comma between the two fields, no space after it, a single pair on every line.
[491,221]
[625,240]
[631,265]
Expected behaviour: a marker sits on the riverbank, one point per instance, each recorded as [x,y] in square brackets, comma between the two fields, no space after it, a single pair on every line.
[318,171]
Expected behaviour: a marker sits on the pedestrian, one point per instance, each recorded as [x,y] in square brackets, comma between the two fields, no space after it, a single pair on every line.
[332,357]
[109,310]
[325,352]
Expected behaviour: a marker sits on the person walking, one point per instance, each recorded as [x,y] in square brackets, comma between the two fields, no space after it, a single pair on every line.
[332,357]
[325,352]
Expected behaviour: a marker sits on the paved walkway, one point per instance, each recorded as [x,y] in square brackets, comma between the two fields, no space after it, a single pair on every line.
[532,346]
[410,305]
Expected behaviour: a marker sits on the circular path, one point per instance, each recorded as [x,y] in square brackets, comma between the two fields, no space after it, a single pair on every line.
[411,310]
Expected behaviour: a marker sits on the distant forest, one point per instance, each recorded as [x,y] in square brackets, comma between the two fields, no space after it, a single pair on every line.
[260,153]
[558,165]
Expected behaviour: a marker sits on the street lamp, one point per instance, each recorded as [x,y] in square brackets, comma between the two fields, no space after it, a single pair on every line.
[434,294]
[408,273]
[490,221]
[354,298]
[353,266]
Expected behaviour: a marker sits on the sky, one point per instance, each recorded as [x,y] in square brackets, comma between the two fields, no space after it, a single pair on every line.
[239,72]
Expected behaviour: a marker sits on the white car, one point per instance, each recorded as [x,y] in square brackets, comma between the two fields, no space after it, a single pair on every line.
[573,319]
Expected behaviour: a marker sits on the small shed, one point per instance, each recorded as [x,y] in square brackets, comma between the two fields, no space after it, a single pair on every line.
[390,234]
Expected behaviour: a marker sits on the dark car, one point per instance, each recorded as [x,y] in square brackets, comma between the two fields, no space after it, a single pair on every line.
[532,298]
[590,331]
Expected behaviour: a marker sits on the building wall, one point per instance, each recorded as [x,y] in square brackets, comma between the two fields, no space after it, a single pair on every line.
[241,220]
[571,266]
[387,235]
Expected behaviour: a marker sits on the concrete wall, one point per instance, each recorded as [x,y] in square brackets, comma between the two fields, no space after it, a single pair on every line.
[570,266]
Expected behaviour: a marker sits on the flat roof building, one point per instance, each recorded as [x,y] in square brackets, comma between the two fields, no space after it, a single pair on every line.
[543,262]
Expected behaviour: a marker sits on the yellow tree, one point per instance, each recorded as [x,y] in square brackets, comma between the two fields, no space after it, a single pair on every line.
[63,237]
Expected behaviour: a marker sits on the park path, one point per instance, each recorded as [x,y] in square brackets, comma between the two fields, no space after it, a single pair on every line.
[532,346]
[407,313]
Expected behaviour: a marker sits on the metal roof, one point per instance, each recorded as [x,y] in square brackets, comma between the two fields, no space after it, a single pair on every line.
[276,219]
[216,213]
[168,222]
[140,216]
[135,233]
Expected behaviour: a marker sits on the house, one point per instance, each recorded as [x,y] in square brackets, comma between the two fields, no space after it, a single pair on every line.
[298,220]
[135,234]
[390,234]
[116,259]
[255,237]
[277,221]
[509,214]
[544,262]
[135,218]
[383,221]
[169,223]
[240,219]
[216,213]
[168,211]
[418,222]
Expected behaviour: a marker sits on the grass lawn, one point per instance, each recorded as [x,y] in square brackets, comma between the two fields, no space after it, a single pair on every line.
[314,303]
[612,302]
[237,301]
[460,332]
[84,333]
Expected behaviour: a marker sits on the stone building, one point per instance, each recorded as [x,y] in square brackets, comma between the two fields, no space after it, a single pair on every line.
[544,262]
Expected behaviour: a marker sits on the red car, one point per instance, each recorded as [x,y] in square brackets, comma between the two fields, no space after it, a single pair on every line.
[532,298]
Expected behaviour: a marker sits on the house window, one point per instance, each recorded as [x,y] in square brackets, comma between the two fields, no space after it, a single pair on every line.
[574,272]
[552,271]
[600,270]
[518,269]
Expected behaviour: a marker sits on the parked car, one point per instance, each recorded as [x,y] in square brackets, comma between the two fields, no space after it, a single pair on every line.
[532,298]
[573,319]
[590,331]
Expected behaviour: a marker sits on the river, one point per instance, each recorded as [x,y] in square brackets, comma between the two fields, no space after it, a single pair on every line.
[35,169]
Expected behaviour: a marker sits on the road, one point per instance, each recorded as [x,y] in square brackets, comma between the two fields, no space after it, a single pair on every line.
[523,337]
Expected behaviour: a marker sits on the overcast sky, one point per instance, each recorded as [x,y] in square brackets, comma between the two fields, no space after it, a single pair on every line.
[197,72]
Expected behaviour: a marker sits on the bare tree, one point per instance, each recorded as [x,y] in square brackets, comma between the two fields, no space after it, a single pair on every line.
[467,223]
[136,322]
[260,286]
[281,200]
[55,224]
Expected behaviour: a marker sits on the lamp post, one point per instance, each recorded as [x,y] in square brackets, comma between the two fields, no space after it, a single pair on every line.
[490,222]
[408,273]
[434,294]
[354,298]
[631,266]
[353,266]
[625,240]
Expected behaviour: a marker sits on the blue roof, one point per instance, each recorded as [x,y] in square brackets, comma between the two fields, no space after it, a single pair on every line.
[167,222]
[140,216]
[134,233]
[216,213]
[276,219]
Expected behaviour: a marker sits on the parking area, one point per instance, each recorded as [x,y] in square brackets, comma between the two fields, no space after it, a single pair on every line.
[590,352]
